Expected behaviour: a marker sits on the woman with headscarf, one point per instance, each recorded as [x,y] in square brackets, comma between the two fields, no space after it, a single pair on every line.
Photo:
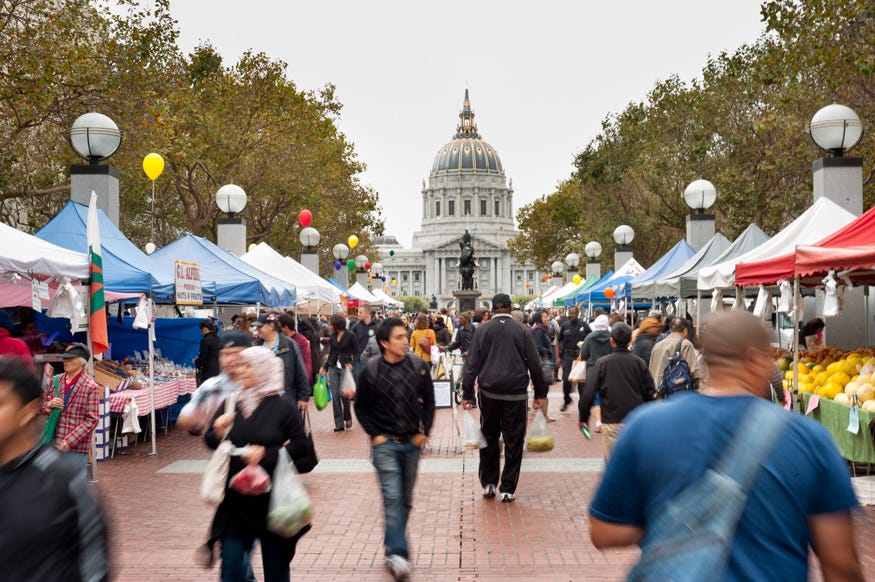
[263,421]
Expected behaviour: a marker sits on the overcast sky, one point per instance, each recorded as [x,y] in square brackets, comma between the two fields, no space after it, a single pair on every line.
[542,76]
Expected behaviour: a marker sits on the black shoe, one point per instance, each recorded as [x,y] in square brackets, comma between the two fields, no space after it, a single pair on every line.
[348,424]
[565,407]
[341,429]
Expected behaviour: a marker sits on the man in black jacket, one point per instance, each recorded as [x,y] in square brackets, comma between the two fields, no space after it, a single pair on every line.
[501,359]
[572,332]
[623,382]
[297,385]
[394,403]
[207,360]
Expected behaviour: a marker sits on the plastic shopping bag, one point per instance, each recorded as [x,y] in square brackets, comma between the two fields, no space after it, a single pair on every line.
[578,371]
[320,393]
[347,386]
[473,438]
[290,509]
[539,440]
[252,480]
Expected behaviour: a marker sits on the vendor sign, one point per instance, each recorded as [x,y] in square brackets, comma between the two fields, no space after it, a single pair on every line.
[188,283]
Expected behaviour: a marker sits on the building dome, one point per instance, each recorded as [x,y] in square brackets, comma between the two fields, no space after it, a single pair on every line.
[467,152]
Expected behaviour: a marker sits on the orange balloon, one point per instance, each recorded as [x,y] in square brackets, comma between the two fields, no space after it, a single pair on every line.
[609,293]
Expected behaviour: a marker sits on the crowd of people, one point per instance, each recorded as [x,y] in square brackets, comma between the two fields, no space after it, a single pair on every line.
[256,384]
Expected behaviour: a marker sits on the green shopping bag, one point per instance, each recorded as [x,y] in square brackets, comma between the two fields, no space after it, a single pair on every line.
[51,425]
[321,396]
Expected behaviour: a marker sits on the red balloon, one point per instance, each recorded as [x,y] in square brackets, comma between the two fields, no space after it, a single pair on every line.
[367,266]
[609,293]
[304,217]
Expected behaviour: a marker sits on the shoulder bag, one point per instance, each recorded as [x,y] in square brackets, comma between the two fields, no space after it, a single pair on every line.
[51,425]
[215,479]
[307,462]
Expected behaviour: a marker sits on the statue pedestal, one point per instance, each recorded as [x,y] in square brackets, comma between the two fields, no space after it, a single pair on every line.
[466,299]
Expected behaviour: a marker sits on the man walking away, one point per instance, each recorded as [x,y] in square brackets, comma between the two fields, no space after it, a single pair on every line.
[502,358]
[665,349]
[571,335]
[666,448]
[394,403]
[621,380]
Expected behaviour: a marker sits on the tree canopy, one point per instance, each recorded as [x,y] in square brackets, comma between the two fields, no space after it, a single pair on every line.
[213,123]
[741,125]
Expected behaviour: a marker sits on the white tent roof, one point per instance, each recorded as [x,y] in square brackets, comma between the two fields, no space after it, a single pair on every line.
[28,255]
[547,299]
[386,299]
[538,302]
[309,285]
[357,291]
[821,219]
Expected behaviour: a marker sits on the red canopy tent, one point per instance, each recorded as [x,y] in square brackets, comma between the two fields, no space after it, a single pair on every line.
[814,262]
[858,233]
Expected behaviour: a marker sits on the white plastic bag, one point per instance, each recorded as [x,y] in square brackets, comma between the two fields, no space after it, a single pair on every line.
[473,438]
[435,355]
[539,440]
[347,386]
[215,479]
[290,509]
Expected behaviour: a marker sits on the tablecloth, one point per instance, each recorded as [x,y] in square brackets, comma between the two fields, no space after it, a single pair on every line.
[166,394]
[834,416]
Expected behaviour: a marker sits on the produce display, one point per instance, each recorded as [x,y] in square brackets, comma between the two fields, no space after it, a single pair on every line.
[846,377]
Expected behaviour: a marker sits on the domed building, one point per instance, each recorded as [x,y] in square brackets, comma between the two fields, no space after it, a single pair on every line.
[467,189]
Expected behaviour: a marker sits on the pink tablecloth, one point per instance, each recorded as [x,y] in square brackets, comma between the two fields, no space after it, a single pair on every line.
[166,394]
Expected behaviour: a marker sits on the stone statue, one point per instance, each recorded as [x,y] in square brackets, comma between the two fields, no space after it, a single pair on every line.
[433,303]
[467,263]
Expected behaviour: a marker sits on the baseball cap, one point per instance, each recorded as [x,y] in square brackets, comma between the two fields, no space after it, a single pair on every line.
[500,300]
[76,351]
[266,317]
[235,339]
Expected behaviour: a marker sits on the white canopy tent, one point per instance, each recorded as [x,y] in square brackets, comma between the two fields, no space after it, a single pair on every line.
[387,300]
[821,219]
[558,291]
[308,284]
[357,291]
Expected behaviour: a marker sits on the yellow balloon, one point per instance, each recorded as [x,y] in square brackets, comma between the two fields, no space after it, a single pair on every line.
[251,247]
[576,279]
[153,165]
[353,241]
[394,282]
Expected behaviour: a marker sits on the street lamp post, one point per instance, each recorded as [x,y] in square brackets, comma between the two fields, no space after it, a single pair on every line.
[310,238]
[556,267]
[341,254]
[95,137]
[231,231]
[376,274]
[836,129]
[593,267]
[699,196]
[623,236]
[361,271]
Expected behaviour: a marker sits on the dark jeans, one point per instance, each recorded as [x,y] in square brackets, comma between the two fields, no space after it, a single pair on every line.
[567,386]
[508,419]
[396,465]
[276,554]
[339,404]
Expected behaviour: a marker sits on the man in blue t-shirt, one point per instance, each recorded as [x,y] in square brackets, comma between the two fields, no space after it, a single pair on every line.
[802,496]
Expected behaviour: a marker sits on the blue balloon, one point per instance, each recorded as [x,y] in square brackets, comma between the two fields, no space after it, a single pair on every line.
[337,265]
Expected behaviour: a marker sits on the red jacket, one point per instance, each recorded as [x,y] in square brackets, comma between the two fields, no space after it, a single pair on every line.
[11,346]
[80,416]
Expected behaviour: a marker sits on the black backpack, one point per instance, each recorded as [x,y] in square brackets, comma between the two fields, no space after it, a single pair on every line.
[677,376]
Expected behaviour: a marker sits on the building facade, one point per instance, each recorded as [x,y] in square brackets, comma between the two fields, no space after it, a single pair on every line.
[467,189]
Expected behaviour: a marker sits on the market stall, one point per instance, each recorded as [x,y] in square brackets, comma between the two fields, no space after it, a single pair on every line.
[309,285]
[677,256]
[670,283]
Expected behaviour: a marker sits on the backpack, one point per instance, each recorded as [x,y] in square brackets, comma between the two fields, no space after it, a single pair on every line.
[677,376]
[691,535]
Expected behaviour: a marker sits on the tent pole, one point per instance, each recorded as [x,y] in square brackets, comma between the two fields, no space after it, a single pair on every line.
[698,321]
[795,391]
[151,331]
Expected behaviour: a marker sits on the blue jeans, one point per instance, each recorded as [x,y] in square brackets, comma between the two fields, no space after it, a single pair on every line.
[396,465]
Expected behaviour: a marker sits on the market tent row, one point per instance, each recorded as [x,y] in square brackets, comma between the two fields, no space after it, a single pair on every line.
[236,281]
[821,219]
[568,298]
[595,295]
[859,232]
[126,269]
[573,299]
[358,294]
[387,300]
[538,302]
[672,283]
[676,256]
[549,298]
[24,257]
[308,285]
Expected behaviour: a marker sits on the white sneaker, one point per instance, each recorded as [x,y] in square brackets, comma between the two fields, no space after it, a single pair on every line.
[489,491]
[399,567]
[507,497]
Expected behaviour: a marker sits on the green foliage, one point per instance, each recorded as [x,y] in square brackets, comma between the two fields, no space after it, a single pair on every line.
[412,304]
[213,123]
[741,126]
[521,300]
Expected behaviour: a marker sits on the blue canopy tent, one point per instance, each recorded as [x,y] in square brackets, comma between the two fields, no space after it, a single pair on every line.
[579,298]
[667,263]
[126,269]
[236,280]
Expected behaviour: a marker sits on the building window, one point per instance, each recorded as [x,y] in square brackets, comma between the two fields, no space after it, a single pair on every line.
[437,208]
[404,277]
[416,277]
[467,208]
[497,208]
[519,277]
[451,207]
[531,276]
[483,208]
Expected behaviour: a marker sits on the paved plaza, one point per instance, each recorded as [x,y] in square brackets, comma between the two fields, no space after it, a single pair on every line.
[455,534]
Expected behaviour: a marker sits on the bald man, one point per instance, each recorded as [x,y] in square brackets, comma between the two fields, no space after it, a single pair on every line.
[665,447]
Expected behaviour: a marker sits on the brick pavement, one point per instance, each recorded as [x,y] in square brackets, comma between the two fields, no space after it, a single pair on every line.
[455,534]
